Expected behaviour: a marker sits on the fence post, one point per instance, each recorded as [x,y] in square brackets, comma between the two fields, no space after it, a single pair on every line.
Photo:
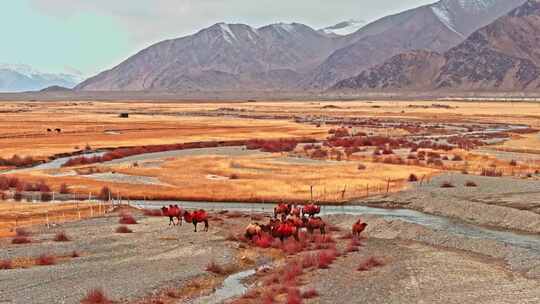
[47,218]
[367,190]
[388,186]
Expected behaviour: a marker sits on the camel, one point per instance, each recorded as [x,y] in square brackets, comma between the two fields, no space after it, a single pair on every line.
[315,223]
[358,228]
[311,210]
[283,209]
[173,212]
[252,230]
[195,217]
[284,231]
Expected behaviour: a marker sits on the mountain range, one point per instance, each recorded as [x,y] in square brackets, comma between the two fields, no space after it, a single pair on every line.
[20,78]
[503,55]
[296,57]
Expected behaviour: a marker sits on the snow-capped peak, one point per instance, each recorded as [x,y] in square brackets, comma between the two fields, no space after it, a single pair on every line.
[22,69]
[344,28]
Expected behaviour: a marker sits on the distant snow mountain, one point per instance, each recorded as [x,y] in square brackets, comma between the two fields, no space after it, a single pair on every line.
[344,28]
[20,78]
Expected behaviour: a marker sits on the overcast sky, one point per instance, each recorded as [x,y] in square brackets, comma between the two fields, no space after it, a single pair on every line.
[92,35]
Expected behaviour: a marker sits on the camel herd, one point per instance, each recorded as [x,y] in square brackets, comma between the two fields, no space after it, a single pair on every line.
[287,222]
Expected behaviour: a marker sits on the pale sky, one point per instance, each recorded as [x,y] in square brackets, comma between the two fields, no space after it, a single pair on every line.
[92,35]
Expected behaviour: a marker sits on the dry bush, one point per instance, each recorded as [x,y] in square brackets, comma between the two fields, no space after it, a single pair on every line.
[64,189]
[310,294]
[213,267]
[234,176]
[123,229]
[22,232]
[6,264]
[96,296]
[413,178]
[470,184]
[362,167]
[46,260]
[370,263]
[75,254]
[457,158]
[294,296]
[326,258]
[447,184]
[152,212]
[127,219]
[18,240]
[61,237]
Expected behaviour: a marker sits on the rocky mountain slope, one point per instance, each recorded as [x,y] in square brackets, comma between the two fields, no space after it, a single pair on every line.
[437,27]
[222,57]
[501,56]
[294,57]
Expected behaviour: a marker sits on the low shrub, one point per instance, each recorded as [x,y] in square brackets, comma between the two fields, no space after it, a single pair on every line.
[6,264]
[152,212]
[22,232]
[370,263]
[362,167]
[470,184]
[213,267]
[127,219]
[234,176]
[46,260]
[413,178]
[326,258]
[61,237]
[18,240]
[447,184]
[294,296]
[96,296]
[123,229]
[310,294]
[457,158]
[75,254]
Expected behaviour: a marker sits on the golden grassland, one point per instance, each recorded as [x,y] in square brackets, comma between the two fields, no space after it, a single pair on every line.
[24,124]
[257,178]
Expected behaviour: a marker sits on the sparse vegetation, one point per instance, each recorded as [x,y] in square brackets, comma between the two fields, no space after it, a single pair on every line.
[96,296]
[62,237]
[123,229]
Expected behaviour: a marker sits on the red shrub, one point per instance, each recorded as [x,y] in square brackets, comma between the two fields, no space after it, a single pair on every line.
[309,260]
[152,212]
[263,241]
[291,246]
[326,258]
[123,229]
[22,232]
[346,236]
[61,237]
[45,260]
[127,219]
[370,263]
[6,264]
[310,294]
[294,296]
[21,240]
[215,268]
[96,296]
